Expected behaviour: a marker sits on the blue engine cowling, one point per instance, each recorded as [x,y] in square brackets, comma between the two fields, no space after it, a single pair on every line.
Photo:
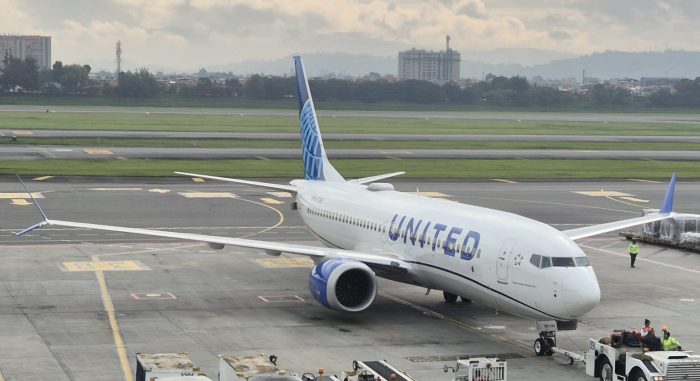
[343,285]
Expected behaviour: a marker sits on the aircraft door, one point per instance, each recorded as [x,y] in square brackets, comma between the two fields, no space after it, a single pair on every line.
[503,259]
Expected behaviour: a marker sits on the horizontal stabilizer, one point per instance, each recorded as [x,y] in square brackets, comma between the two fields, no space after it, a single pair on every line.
[371,179]
[288,188]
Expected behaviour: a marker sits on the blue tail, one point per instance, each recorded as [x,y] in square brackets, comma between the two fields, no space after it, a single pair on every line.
[316,164]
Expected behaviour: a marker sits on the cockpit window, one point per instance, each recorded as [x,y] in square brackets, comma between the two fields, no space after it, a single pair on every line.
[582,261]
[535,260]
[546,262]
[563,262]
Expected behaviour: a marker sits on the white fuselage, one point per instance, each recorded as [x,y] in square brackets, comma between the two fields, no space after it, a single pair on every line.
[477,253]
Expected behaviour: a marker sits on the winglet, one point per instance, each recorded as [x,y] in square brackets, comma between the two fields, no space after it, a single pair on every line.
[43,215]
[667,206]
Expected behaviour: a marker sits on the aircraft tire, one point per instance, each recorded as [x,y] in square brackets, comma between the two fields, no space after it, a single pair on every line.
[540,347]
[465,300]
[550,345]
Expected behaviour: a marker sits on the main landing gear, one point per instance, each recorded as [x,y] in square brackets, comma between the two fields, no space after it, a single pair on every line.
[451,298]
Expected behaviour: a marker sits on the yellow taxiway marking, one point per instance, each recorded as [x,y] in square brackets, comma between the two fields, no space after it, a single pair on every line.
[109,308]
[20,195]
[105,266]
[280,194]
[198,180]
[603,193]
[282,262]
[20,202]
[42,178]
[207,194]
[161,191]
[98,151]
[271,201]
[505,181]
[116,189]
[431,194]
[22,132]
[634,199]
[645,181]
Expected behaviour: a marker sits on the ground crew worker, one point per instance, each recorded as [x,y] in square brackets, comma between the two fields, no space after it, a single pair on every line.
[646,329]
[670,343]
[633,250]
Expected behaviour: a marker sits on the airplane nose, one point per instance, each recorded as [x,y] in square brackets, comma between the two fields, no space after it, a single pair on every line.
[581,291]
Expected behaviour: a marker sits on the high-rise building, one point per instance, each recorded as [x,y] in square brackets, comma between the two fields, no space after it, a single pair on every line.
[440,67]
[37,47]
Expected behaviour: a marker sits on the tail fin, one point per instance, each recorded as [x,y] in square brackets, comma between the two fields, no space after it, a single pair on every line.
[316,164]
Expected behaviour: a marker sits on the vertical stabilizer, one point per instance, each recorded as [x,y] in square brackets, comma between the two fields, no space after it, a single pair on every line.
[316,164]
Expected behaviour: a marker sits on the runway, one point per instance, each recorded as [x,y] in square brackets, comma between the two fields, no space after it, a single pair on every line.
[503,116]
[30,152]
[208,302]
[68,134]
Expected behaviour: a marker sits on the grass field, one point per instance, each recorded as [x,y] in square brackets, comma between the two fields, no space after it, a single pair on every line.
[447,169]
[356,125]
[416,169]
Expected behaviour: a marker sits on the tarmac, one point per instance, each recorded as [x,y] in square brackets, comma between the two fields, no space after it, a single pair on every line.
[78,304]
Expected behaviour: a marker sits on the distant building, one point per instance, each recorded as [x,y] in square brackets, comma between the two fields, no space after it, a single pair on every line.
[37,47]
[440,67]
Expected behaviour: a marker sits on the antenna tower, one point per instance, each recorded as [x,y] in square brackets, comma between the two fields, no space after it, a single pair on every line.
[119,57]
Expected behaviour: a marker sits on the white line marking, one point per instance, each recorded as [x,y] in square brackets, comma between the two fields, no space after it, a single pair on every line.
[505,181]
[645,181]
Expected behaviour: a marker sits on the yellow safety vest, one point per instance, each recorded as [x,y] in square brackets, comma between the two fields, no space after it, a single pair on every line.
[670,344]
[634,248]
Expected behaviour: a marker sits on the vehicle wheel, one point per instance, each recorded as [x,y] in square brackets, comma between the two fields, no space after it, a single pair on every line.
[638,375]
[571,361]
[540,347]
[465,300]
[449,298]
[606,371]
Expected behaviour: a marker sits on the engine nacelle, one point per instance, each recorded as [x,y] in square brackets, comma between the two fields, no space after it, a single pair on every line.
[343,285]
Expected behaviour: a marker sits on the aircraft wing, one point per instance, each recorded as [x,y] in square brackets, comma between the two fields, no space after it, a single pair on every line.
[288,188]
[271,247]
[666,211]
[590,231]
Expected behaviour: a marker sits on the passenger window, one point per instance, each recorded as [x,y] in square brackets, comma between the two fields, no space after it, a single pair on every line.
[546,262]
[535,260]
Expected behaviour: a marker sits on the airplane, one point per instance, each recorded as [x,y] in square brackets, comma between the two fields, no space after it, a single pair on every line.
[509,262]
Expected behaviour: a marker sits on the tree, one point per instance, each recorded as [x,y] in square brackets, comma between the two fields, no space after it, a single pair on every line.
[19,74]
[141,84]
[57,71]
[75,78]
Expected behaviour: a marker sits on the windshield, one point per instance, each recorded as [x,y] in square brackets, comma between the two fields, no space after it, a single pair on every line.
[563,262]
[542,262]
[582,261]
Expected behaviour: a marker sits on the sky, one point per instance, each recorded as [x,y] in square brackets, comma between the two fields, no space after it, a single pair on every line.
[190,34]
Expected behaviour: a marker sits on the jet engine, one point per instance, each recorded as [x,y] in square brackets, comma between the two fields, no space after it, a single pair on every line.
[343,285]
